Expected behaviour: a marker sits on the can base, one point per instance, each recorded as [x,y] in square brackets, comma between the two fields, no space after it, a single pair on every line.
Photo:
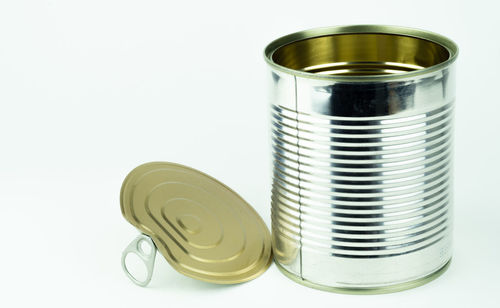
[370,290]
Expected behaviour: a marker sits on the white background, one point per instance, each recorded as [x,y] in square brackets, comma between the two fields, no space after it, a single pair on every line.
[91,89]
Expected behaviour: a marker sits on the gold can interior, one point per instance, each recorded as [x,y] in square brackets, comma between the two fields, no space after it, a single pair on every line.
[360,54]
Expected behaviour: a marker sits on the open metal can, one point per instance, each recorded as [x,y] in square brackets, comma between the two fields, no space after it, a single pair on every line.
[362,153]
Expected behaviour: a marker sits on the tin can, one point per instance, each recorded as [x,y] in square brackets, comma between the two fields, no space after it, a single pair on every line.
[362,153]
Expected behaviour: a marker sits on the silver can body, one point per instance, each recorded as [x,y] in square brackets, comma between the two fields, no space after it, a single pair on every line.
[362,156]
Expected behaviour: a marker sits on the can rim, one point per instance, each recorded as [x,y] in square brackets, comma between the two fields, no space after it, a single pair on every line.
[439,39]
[397,287]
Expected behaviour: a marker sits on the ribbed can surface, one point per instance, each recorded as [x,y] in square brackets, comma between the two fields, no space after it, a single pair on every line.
[362,153]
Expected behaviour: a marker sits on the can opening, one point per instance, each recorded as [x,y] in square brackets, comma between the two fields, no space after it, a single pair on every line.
[360,54]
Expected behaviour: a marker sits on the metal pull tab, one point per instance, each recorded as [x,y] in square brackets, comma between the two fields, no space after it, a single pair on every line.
[137,247]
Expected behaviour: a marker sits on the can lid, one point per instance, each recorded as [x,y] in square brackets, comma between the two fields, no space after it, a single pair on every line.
[203,229]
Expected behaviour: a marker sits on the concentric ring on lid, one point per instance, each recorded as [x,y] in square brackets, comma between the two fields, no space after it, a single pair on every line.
[203,228]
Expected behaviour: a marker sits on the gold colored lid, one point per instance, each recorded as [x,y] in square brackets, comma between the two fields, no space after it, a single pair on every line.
[203,228]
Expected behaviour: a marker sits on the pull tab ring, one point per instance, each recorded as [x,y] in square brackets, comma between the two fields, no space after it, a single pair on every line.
[148,257]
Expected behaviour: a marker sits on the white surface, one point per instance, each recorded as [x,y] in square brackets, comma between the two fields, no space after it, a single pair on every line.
[91,89]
